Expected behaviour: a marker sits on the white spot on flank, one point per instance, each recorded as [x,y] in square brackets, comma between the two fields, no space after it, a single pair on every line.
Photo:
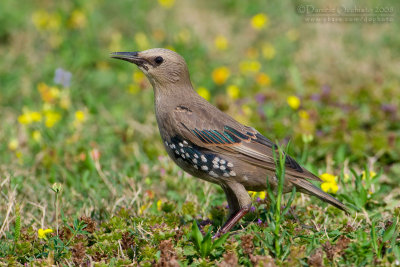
[203,158]
[177,152]
[216,166]
[171,146]
[230,165]
[183,156]
[195,161]
[187,155]
[196,166]
[222,167]
[204,168]
[196,156]
[185,143]
[232,173]
[226,174]
[166,143]
[182,151]
[222,161]
[180,144]
[213,174]
[215,160]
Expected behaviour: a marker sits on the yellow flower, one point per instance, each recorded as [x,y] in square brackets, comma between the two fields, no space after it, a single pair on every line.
[293,101]
[52,117]
[233,91]
[292,35]
[252,193]
[247,110]
[220,42]
[159,204]
[220,75]
[304,114]
[29,117]
[372,174]
[259,21]
[204,93]
[166,3]
[13,144]
[42,233]
[46,21]
[80,116]
[48,94]
[36,135]
[248,66]
[142,209]
[346,177]
[77,19]
[329,184]
[268,51]
[133,89]
[138,77]
[183,36]
[141,40]
[263,194]
[263,79]
[65,101]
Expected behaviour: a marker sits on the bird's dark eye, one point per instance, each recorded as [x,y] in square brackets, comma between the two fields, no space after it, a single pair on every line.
[158,60]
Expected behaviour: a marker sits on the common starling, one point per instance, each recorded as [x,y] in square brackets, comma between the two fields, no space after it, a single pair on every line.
[211,145]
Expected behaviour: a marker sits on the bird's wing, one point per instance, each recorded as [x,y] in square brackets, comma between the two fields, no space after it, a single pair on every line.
[229,137]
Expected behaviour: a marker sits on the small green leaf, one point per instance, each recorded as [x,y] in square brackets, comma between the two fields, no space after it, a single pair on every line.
[389,233]
[196,235]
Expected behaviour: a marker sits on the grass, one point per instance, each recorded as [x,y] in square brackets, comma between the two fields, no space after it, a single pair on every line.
[82,155]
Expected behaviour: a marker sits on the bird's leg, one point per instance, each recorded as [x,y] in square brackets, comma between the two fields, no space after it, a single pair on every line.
[239,203]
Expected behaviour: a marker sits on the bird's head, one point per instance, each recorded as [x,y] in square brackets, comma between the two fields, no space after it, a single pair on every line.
[161,66]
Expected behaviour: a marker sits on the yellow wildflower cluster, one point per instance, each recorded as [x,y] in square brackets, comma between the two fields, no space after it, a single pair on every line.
[46,21]
[166,3]
[48,94]
[204,93]
[261,194]
[263,79]
[329,184]
[293,102]
[42,233]
[306,126]
[268,51]
[29,117]
[259,21]
[250,66]
[233,91]
[220,75]
[77,19]
[220,42]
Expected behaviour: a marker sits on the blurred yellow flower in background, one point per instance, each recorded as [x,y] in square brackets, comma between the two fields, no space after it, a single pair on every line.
[233,91]
[13,144]
[263,79]
[372,174]
[77,19]
[249,66]
[292,35]
[44,20]
[42,233]
[138,77]
[204,93]
[141,41]
[268,51]
[48,94]
[29,117]
[304,114]
[36,136]
[220,75]
[259,21]
[220,42]
[52,117]
[293,102]
[159,205]
[166,3]
[329,184]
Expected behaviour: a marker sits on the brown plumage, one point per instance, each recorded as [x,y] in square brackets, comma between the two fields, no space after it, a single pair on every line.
[210,144]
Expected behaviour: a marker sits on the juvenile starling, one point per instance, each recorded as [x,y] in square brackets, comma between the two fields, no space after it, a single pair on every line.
[210,144]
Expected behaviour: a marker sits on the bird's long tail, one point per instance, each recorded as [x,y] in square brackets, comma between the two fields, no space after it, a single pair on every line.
[305,186]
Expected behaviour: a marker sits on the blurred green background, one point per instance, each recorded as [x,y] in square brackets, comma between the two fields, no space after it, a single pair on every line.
[330,88]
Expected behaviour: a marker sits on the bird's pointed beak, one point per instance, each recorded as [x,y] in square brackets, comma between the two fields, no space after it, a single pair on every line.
[132,57]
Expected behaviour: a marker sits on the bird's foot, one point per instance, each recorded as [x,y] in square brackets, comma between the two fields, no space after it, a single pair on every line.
[231,222]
